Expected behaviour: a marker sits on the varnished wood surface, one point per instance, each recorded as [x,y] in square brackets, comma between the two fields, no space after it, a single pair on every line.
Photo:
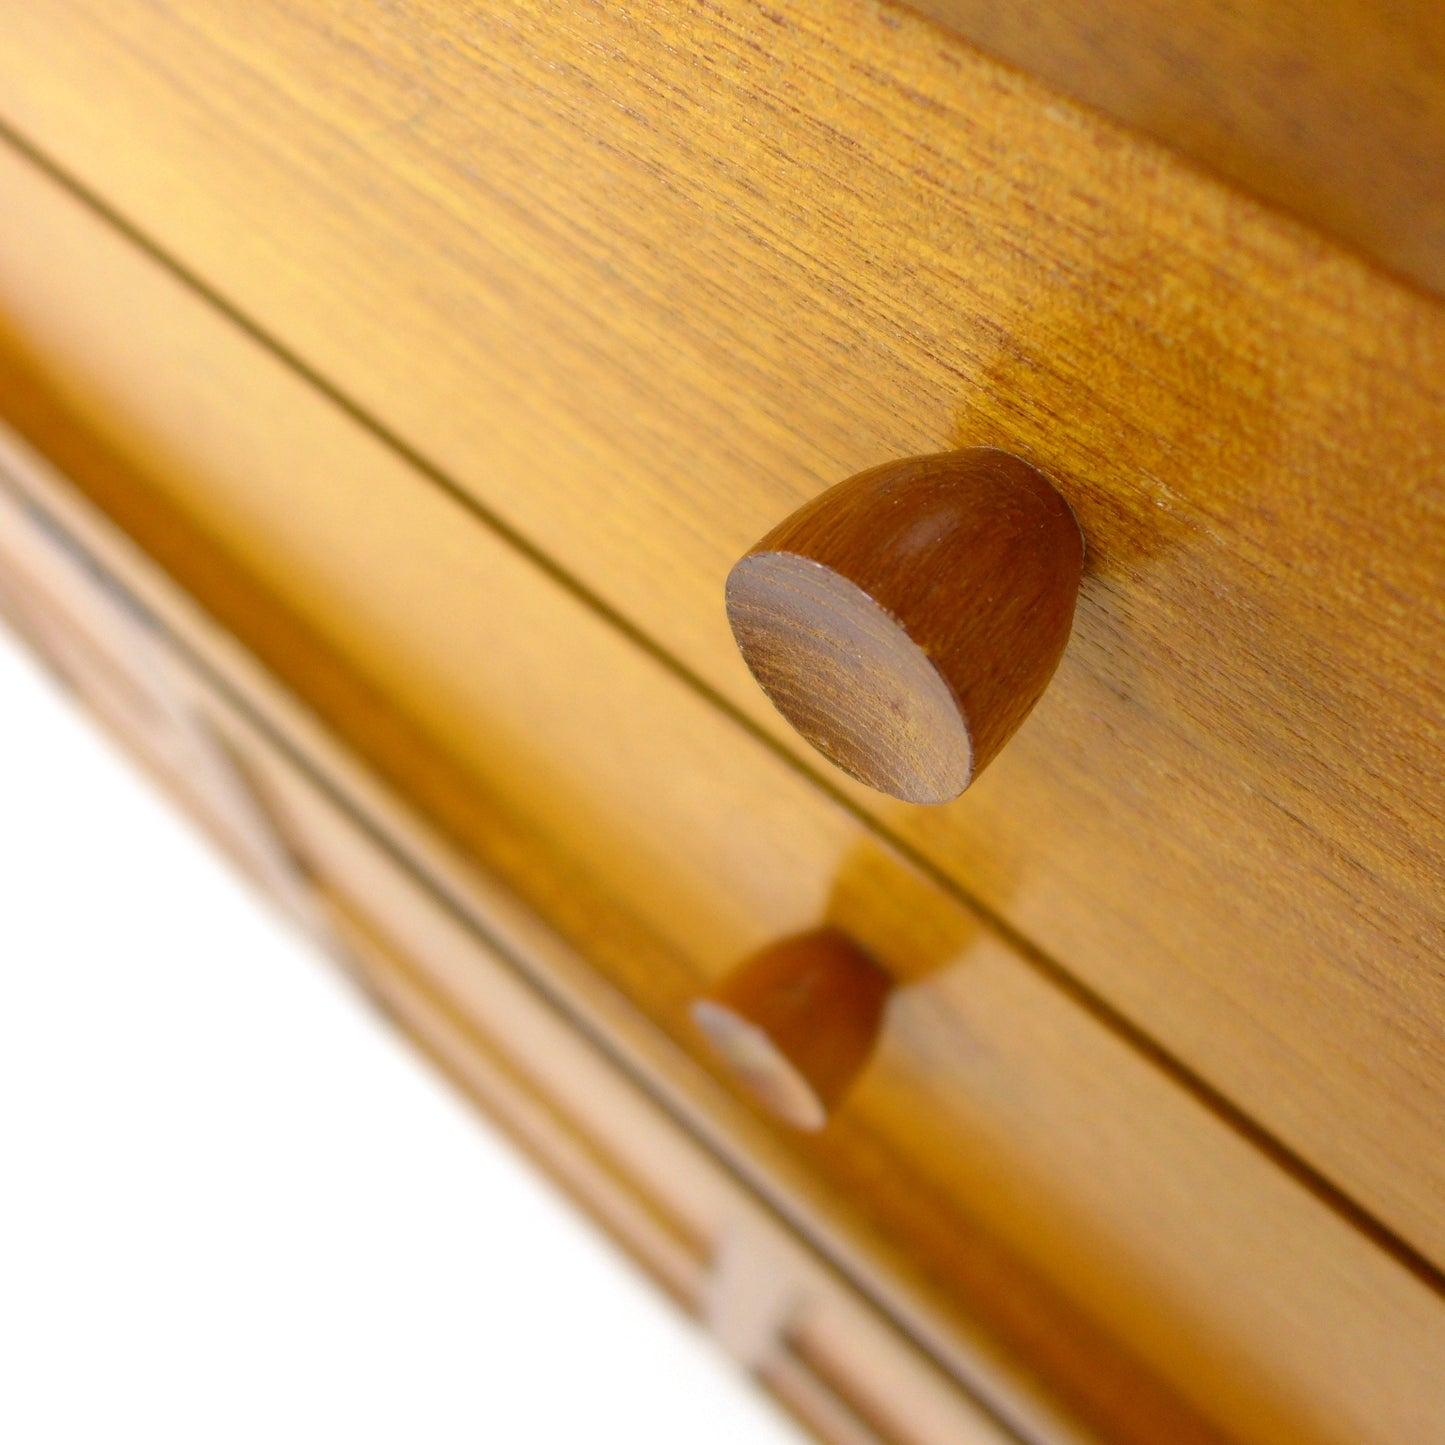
[659,1191]
[643,283]
[1008,1156]
[653,1184]
[1335,111]
[654,932]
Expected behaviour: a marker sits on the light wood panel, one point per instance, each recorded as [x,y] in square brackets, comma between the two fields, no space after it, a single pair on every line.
[656,1188]
[612,1143]
[655,931]
[1335,110]
[1061,1118]
[643,281]
[1012,1159]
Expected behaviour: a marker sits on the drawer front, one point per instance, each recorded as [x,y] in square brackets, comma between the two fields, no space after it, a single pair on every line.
[1007,1160]
[770,1301]
[601,1134]
[639,283]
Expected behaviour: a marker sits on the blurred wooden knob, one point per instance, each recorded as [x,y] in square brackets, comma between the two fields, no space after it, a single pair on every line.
[796,1022]
[907,620]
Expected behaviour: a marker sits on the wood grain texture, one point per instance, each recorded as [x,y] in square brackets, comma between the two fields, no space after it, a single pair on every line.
[1334,111]
[1006,1162]
[488,772]
[907,620]
[644,281]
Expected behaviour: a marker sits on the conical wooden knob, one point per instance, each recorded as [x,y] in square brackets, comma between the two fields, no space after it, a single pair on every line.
[907,620]
[796,1022]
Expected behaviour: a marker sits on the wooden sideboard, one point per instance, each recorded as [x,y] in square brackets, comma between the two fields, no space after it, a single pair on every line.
[389,391]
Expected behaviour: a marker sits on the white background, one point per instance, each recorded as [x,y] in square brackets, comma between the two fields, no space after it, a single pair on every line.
[234,1207]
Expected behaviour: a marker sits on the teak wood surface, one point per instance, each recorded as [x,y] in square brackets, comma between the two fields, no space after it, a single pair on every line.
[1333,109]
[1009,1158]
[594,1127]
[640,281]
[652,1183]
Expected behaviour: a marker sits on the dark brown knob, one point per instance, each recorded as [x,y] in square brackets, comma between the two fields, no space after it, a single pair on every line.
[796,1022]
[907,620]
